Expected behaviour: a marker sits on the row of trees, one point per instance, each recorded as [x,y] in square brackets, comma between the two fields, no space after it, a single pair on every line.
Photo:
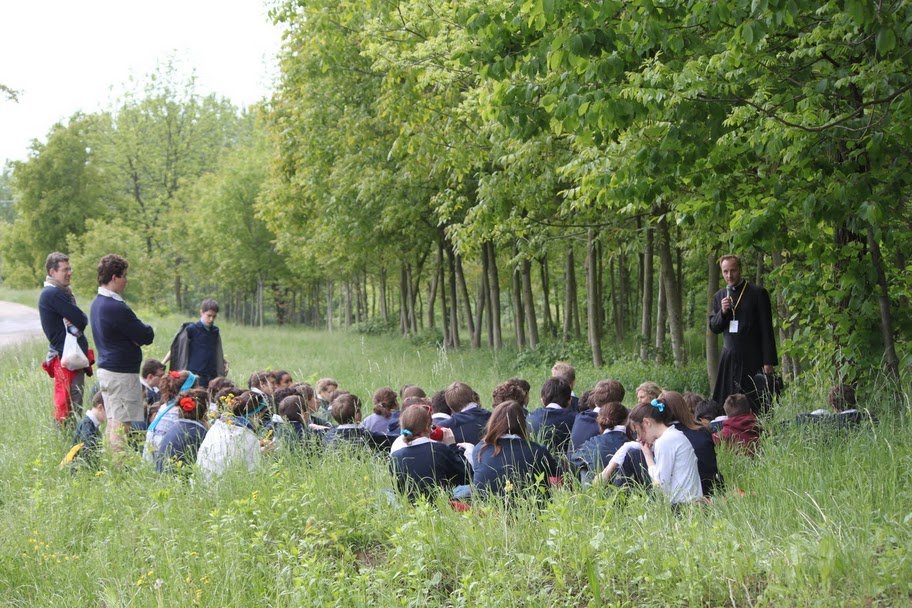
[547,168]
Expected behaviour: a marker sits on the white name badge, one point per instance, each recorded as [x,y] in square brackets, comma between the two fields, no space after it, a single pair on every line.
[733,326]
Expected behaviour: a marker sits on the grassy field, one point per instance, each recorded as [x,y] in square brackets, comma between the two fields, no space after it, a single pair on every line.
[824,521]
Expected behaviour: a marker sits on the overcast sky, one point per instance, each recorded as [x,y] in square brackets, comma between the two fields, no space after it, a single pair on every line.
[65,56]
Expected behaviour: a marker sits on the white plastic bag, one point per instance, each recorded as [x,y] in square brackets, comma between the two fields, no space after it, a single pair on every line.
[72,356]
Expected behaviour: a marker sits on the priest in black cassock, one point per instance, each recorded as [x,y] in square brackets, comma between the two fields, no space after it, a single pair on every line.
[743,315]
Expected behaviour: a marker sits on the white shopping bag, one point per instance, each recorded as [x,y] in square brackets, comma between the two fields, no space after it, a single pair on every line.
[72,356]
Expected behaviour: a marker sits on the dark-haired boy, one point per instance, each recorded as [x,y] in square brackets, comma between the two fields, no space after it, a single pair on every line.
[740,430]
[468,419]
[552,423]
[197,347]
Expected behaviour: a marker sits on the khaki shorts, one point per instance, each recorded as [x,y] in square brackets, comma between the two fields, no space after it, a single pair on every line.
[123,396]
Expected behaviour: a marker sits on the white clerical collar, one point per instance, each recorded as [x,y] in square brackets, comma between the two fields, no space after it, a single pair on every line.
[553,406]
[104,291]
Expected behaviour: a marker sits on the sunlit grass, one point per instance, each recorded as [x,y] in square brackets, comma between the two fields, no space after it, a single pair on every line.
[823,520]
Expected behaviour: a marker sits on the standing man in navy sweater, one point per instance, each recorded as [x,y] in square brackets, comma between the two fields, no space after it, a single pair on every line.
[59,315]
[118,335]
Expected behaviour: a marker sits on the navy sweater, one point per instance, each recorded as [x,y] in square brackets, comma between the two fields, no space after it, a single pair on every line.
[421,468]
[180,444]
[594,454]
[705,449]
[203,348]
[118,335]
[467,425]
[552,427]
[521,462]
[585,427]
[54,305]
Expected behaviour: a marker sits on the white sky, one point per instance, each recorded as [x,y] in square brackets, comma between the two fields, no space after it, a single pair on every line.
[65,56]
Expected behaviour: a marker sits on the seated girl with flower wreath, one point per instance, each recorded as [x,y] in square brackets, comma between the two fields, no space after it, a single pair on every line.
[168,413]
[422,463]
[179,446]
[232,439]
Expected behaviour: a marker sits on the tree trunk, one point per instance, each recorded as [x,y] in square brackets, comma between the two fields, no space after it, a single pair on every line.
[466,302]
[432,289]
[178,292]
[259,301]
[712,340]
[661,315]
[384,311]
[454,304]
[569,293]
[410,318]
[494,296]
[592,300]
[518,314]
[480,303]
[543,268]
[891,361]
[616,304]
[672,295]
[444,309]
[403,300]
[646,318]
[529,303]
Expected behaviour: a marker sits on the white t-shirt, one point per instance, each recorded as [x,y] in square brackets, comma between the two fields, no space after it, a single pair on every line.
[227,445]
[675,468]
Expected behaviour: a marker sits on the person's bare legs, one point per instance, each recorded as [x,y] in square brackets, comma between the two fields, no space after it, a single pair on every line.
[117,438]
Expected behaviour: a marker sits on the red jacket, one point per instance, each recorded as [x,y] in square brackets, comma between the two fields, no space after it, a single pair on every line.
[741,432]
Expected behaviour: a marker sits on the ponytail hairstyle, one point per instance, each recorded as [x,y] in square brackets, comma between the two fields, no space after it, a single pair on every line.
[679,410]
[657,410]
[292,409]
[384,402]
[508,417]
[247,404]
[414,422]
[611,415]
[193,404]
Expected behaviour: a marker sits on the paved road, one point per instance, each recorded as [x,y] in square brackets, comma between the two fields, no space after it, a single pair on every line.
[18,323]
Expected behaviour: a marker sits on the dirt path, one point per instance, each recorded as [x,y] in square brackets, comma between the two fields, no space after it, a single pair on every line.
[18,323]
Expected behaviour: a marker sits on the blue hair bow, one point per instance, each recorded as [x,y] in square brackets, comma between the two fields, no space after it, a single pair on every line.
[658,405]
[188,383]
[405,432]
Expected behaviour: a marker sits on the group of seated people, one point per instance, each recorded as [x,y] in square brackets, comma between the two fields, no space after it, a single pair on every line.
[448,442]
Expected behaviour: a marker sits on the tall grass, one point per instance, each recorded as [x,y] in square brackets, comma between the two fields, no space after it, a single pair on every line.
[824,520]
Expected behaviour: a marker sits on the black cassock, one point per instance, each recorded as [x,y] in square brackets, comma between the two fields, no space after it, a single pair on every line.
[746,352]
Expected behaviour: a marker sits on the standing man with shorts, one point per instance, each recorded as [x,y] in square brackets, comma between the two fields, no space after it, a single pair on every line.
[59,315]
[118,335]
